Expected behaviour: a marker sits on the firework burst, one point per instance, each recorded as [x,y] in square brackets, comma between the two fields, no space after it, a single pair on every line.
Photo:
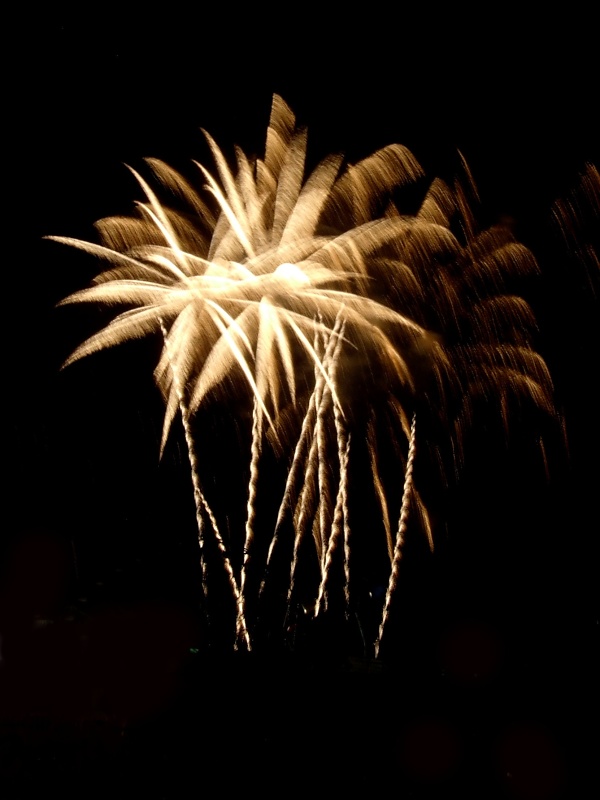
[359,338]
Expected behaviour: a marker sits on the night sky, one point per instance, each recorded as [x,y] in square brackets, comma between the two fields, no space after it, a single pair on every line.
[99,537]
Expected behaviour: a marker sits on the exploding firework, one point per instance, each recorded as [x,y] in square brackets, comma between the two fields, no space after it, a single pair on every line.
[357,339]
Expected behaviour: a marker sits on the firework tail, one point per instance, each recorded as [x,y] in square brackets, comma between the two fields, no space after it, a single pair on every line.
[202,507]
[299,459]
[308,492]
[252,493]
[379,488]
[340,522]
[400,535]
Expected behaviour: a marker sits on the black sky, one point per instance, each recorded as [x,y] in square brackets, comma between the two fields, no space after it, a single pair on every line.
[513,92]
[88,92]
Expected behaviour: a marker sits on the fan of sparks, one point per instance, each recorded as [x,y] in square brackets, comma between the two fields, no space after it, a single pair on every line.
[353,339]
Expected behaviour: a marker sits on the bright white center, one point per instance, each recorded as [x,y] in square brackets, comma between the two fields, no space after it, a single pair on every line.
[292,273]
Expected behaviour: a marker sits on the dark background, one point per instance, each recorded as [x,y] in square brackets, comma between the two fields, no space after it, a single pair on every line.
[491,687]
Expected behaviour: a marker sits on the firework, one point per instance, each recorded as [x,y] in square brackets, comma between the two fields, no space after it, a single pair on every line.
[358,337]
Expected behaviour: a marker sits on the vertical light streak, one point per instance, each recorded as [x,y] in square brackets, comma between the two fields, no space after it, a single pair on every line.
[200,503]
[308,499]
[400,535]
[379,488]
[252,495]
[319,523]
[340,522]
[292,479]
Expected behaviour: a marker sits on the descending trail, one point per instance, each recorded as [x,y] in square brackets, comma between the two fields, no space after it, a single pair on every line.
[201,505]
[401,532]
